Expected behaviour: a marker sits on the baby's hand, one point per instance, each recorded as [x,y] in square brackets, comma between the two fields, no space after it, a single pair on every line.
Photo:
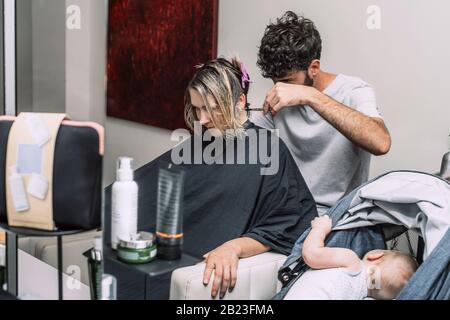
[323,222]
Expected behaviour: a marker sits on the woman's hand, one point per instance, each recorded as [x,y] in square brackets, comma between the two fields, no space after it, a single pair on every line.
[224,262]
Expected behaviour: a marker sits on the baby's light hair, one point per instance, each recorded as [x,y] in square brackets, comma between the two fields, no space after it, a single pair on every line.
[396,269]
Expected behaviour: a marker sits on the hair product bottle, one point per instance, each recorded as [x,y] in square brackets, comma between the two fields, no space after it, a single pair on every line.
[124,202]
[169,219]
[94,259]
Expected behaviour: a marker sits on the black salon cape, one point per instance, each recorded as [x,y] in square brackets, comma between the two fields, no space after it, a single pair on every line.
[228,201]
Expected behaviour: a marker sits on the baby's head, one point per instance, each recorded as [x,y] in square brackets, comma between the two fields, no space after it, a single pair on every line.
[387,272]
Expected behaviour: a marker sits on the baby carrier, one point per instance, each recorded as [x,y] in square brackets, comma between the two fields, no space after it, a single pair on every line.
[381,210]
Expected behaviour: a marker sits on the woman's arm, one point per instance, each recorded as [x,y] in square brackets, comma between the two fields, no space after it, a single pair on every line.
[248,247]
[317,256]
[224,262]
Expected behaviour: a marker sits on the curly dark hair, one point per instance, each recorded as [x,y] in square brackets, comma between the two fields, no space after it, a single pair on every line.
[290,44]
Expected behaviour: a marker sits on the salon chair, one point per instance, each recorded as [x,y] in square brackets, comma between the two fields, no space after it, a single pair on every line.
[257,279]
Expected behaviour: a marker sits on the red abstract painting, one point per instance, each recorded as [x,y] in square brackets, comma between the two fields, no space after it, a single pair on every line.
[153,46]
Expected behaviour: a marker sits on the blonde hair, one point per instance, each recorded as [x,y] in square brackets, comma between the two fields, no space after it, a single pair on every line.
[396,269]
[220,80]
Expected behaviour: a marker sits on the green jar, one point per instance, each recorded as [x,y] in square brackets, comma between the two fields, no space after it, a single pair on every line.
[138,249]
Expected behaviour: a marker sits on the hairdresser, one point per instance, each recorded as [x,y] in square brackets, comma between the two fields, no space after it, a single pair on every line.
[330,122]
[231,210]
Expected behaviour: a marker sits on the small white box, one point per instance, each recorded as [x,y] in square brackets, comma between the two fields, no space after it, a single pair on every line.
[38,186]
[38,129]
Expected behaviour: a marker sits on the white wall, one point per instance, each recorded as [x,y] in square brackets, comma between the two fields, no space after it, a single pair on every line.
[24,56]
[48,60]
[78,62]
[407,62]
[62,70]
[40,55]
[86,62]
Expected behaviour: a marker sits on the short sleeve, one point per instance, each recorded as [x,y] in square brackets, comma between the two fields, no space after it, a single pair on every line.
[261,120]
[362,98]
[284,208]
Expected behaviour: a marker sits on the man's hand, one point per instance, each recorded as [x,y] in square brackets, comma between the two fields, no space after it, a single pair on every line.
[369,133]
[324,223]
[224,262]
[286,95]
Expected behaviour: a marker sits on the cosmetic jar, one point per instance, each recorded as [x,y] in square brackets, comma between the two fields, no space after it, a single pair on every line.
[140,248]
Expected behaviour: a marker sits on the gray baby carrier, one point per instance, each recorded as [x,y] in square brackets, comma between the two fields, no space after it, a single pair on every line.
[381,210]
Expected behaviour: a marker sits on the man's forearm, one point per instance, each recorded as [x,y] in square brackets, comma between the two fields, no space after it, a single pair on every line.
[247,247]
[366,132]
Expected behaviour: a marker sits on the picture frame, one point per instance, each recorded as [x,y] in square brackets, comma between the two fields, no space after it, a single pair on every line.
[153,48]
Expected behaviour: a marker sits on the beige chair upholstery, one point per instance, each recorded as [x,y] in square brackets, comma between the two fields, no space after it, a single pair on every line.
[256,280]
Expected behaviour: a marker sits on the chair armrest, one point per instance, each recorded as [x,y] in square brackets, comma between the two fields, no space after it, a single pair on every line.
[257,279]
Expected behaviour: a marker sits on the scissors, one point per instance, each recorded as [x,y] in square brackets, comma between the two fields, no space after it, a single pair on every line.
[248,109]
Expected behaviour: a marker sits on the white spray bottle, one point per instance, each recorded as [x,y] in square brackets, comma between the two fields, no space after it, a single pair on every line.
[124,202]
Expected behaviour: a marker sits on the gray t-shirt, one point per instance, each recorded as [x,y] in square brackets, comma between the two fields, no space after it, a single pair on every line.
[330,163]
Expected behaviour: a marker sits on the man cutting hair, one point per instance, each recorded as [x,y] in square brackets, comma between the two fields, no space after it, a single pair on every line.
[330,122]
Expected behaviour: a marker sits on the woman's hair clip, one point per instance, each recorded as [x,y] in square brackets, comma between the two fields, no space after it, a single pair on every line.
[245,79]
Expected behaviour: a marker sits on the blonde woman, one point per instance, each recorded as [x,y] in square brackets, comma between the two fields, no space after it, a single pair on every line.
[217,96]
[231,209]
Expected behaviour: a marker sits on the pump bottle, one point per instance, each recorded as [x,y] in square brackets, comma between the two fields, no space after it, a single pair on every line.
[124,203]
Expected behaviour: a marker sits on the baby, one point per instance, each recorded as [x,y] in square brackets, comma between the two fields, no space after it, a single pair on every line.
[339,274]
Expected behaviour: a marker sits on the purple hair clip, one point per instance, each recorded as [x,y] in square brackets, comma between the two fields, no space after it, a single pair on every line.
[245,77]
